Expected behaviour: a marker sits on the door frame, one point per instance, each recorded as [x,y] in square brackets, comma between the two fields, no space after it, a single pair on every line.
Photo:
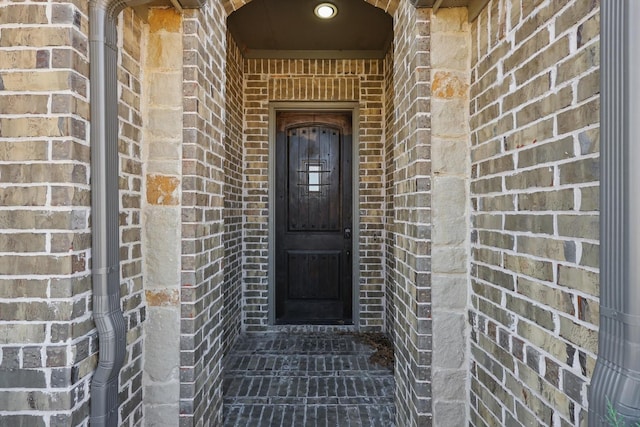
[353,108]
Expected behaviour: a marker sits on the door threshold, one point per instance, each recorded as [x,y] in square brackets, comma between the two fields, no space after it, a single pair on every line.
[318,322]
[296,329]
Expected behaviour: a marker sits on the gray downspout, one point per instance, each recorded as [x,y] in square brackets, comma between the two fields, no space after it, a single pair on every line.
[616,379]
[104,211]
[105,206]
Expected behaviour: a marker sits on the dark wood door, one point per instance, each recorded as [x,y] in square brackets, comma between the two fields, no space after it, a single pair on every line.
[313,218]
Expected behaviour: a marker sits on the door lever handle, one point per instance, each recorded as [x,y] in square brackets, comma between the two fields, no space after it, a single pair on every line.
[347,233]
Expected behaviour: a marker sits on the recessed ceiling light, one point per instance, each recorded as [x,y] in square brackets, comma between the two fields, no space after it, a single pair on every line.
[326,10]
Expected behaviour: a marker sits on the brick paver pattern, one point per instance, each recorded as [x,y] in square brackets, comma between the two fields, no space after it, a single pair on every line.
[306,379]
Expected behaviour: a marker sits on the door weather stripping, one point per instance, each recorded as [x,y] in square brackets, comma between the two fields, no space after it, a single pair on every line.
[615,386]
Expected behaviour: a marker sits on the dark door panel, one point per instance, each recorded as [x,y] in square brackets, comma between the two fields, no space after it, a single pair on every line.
[313,210]
[321,270]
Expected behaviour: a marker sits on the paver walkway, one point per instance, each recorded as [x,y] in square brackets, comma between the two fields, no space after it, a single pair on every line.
[305,380]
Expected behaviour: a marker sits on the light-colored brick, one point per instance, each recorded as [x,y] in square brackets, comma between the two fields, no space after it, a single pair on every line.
[532,115]
[535,167]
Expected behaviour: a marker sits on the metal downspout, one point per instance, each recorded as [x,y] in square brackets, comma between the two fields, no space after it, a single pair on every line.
[615,386]
[105,205]
[104,211]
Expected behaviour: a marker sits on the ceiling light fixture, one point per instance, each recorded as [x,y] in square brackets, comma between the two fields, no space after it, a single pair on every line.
[326,10]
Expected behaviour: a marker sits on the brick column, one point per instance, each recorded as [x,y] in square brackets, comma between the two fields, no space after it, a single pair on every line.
[412,221]
[130,27]
[202,263]
[47,344]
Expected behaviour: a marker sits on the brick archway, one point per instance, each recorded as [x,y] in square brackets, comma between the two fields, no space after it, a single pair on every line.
[388,6]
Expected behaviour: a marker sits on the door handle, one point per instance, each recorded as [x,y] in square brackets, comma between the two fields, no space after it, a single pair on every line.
[347,233]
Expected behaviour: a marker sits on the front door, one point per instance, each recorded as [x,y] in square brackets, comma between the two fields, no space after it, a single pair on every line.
[313,218]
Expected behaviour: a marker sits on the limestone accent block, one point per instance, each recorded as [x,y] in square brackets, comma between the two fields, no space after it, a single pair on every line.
[161,415]
[450,180]
[163,90]
[162,298]
[449,195]
[450,156]
[450,414]
[451,382]
[161,214]
[165,20]
[163,50]
[164,152]
[161,232]
[449,118]
[450,259]
[161,393]
[450,50]
[163,167]
[448,85]
[163,190]
[449,342]
[450,231]
[449,292]
[447,20]
[165,122]
[162,356]
[449,211]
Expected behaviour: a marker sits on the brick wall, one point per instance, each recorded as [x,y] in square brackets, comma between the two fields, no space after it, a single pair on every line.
[203,155]
[233,194]
[47,336]
[534,190]
[428,214]
[360,81]
[412,220]
[534,120]
[371,202]
[389,191]
[47,345]
[131,292]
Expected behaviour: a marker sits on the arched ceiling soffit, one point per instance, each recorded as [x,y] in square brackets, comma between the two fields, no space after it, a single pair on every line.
[288,29]
[389,6]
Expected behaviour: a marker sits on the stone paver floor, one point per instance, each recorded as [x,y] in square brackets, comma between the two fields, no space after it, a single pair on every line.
[306,379]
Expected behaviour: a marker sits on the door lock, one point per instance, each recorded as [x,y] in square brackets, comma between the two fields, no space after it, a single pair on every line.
[347,233]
